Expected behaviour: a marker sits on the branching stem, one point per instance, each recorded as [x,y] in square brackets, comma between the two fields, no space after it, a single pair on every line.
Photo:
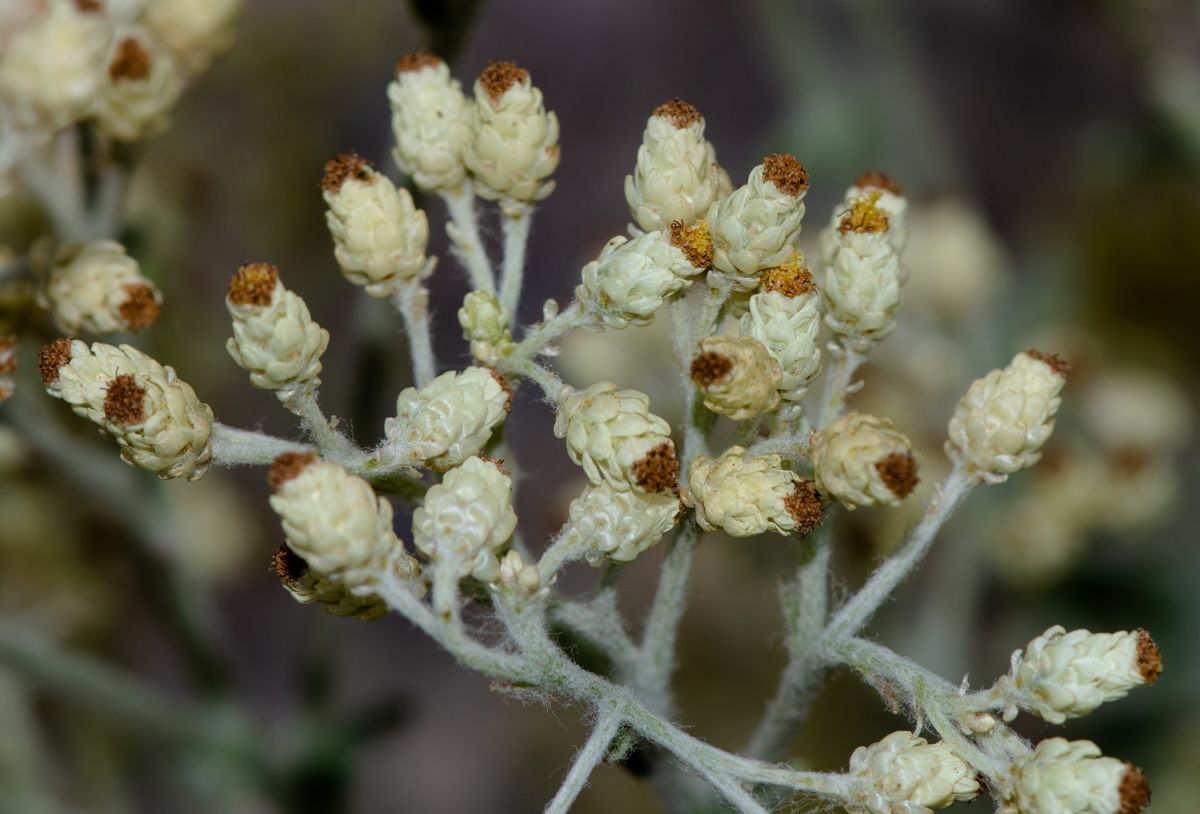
[466,242]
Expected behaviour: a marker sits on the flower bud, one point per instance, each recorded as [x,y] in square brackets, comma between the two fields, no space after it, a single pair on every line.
[159,423]
[737,375]
[143,84]
[1005,417]
[97,287]
[195,31]
[677,178]
[862,460]
[274,337]
[8,367]
[485,325]
[523,579]
[616,439]
[307,586]
[1067,675]
[432,121]
[467,519]
[1073,777]
[620,525]
[337,524]
[785,317]
[446,421]
[51,69]
[905,773]
[757,227]
[516,144]
[630,279]
[745,495]
[379,234]
[863,275]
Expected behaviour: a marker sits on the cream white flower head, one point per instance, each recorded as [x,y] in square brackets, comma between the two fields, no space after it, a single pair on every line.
[432,121]
[274,336]
[1067,675]
[863,460]
[999,426]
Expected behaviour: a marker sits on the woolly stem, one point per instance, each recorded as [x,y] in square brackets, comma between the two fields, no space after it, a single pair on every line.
[837,382]
[515,220]
[850,618]
[412,301]
[600,623]
[805,607]
[593,752]
[791,447]
[234,447]
[333,445]
[657,659]
[465,241]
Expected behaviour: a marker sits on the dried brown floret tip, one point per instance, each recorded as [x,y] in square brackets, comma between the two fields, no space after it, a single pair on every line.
[878,180]
[287,466]
[679,112]
[804,505]
[125,400]
[1058,364]
[502,380]
[89,6]
[864,216]
[254,284]
[341,168]
[288,565]
[1134,791]
[694,241]
[658,470]
[898,472]
[710,367]
[1149,660]
[140,309]
[131,62]
[52,358]
[791,279]
[496,462]
[416,61]
[500,76]
[786,173]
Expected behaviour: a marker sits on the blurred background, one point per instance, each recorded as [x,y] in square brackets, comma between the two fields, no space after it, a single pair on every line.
[1051,153]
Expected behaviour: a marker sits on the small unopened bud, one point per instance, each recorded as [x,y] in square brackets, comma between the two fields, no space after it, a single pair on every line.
[999,426]
[97,287]
[485,325]
[862,460]
[737,375]
[520,577]
[379,234]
